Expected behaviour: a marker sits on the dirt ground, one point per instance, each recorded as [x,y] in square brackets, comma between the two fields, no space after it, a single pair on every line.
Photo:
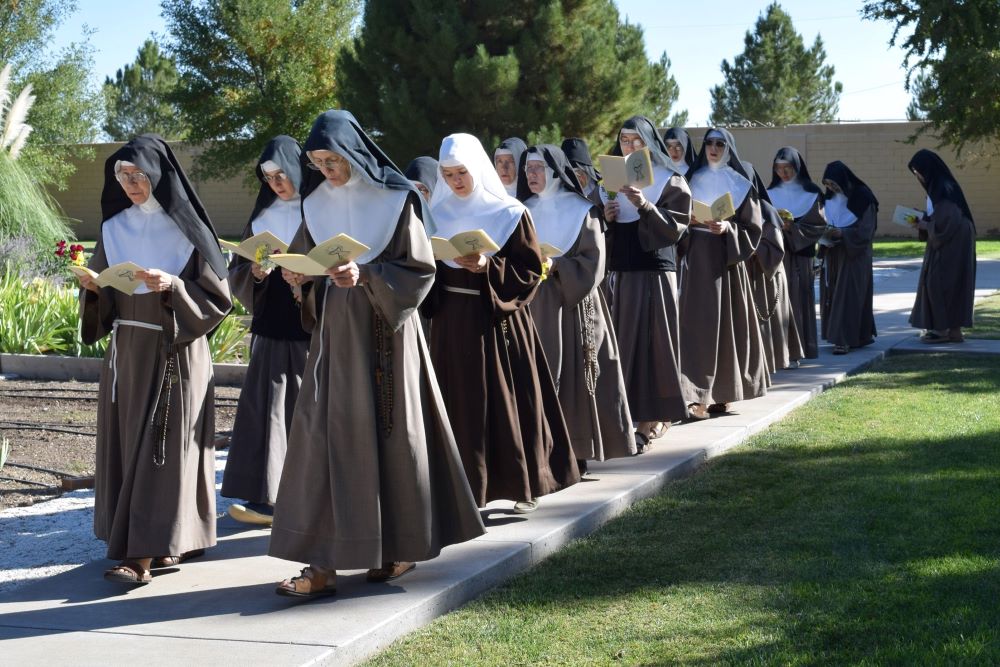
[51,428]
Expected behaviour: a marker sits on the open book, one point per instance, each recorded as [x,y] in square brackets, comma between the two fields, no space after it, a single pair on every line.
[635,170]
[549,250]
[121,276]
[257,247]
[720,209]
[462,244]
[335,251]
[907,217]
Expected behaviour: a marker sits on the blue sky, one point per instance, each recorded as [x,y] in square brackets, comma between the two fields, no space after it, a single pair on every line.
[696,36]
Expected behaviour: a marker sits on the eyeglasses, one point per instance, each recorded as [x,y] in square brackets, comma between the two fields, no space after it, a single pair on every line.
[280,177]
[124,177]
[633,143]
[674,146]
[534,169]
[330,163]
[715,143]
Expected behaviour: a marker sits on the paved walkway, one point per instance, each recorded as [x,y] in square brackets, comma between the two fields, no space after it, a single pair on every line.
[221,609]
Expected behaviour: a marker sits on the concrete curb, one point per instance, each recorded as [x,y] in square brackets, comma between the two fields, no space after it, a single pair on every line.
[88,369]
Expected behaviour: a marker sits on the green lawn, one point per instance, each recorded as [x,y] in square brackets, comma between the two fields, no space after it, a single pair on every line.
[862,529]
[908,247]
[986,318]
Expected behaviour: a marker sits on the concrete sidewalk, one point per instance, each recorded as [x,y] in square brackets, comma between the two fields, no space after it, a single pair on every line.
[221,609]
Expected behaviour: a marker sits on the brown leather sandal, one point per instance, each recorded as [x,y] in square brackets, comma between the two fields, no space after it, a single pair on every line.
[129,572]
[697,411]
[311,583]
[389,571]
[718,408]
[174,561]
[658,430]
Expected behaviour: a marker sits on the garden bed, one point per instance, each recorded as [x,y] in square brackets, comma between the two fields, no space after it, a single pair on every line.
[51,427]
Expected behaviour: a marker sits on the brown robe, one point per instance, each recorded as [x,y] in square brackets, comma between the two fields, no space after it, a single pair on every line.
[771,303]
[142,509]
[574,327]
[256,452]
[800,251]
[846,289]
[722,352]
[494,376]
[645,314]
[372,474]
[947,287]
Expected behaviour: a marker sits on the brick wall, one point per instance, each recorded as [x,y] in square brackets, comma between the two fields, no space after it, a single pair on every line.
[876,152]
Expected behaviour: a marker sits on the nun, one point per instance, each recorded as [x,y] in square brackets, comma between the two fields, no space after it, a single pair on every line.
[800,204]
[372,478]
[680,150]
[423,173]
[569,310]
[578,154]
[278,346]
[644,227]
[851,210]
[947,286]
[506,159]
[494,377]
[154,499]
[722,352]
[782,347]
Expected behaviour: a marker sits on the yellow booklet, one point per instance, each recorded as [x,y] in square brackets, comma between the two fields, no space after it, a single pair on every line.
[335,251]
[720,209]
[635,170]
[121,276]
[462,244]
[257,247]
[549,250]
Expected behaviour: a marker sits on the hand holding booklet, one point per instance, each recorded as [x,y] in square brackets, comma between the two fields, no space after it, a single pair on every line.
[462,244]
[907,217]
[258,246]
[121,276]
[335,251]
[721,209]
[635,170]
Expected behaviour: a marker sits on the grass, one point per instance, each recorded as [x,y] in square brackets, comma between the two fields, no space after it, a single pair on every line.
[986,318]
[909,247]
[862,529]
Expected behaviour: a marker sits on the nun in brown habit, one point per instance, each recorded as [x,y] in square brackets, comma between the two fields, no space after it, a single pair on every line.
[846,286]
[372,477]
[643,228]
[494,376]
[569,310]
[947,287]
[278,346]
[722,352]
[782,347]
[578,154]
[800,202]
[154,498]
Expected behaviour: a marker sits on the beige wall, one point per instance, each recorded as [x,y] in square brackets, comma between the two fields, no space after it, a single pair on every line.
[876,152]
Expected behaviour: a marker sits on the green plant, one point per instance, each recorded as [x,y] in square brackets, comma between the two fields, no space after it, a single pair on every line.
[4,452]
[228,342]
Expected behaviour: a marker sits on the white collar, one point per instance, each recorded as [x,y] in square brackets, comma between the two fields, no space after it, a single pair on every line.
[150,238]
[837,213]
[282,218]
[792,197]
[558,214]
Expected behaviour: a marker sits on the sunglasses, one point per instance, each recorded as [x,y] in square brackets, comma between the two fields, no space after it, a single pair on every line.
[715,143]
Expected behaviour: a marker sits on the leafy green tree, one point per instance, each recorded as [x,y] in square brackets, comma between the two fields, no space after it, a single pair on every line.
[252,69]
[539,69]
[662,94]
[776,79]
[919,88]
[67,108]
[957,46]
[138,98]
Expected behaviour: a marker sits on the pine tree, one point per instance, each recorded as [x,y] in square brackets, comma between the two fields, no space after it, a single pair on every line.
[538,69]
[253,69]
[138,98]
[776,79]
[956,45]
[920,89]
